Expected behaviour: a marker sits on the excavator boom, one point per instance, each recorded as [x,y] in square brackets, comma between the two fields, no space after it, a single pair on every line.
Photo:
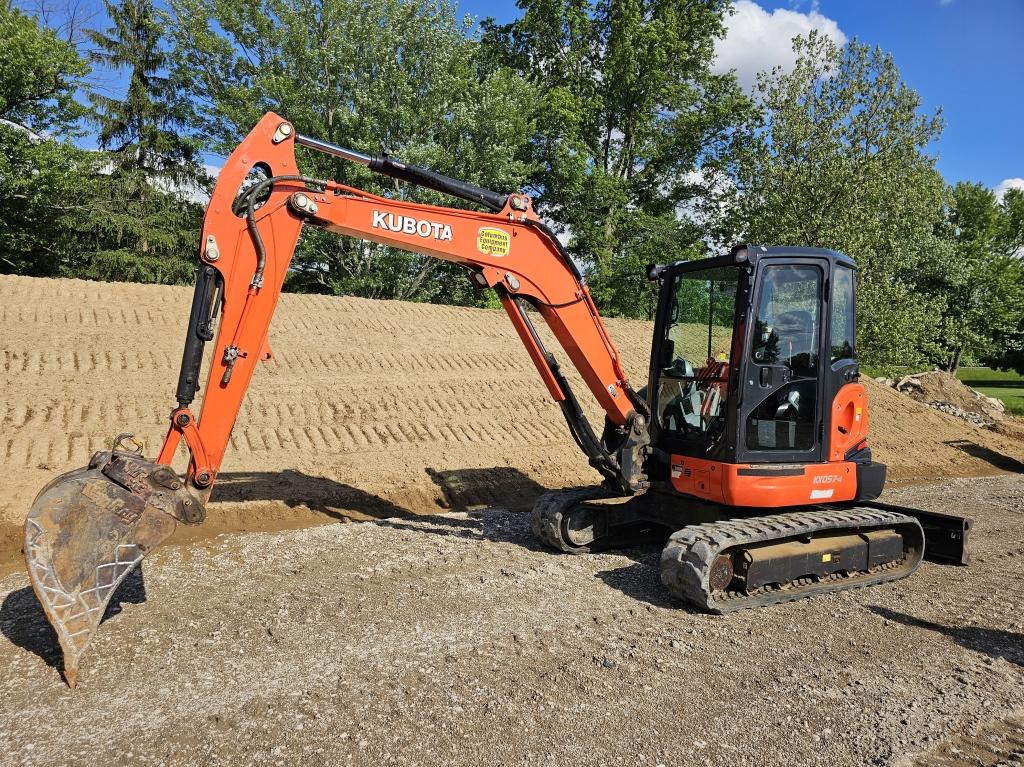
[89,528]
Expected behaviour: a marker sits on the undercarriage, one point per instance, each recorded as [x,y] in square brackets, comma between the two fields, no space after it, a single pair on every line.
[721,559]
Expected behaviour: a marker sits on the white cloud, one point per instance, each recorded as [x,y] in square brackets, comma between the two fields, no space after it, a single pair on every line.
[1006,185]
[756,40]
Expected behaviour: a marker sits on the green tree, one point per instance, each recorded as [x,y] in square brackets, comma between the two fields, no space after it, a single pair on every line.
[39,74]
[143,225]
[986,313]
[633,129]
[41,178]
[144,130]
[840,161]
[981,283]
[380,76]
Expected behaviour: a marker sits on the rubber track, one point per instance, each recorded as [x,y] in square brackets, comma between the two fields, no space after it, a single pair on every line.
[549,511]
[687,557]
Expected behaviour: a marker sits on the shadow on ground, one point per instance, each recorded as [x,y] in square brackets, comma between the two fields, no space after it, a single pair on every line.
[1000,461]
[641,580]
[471,492]
[995,643]
[459,489]
[24,624]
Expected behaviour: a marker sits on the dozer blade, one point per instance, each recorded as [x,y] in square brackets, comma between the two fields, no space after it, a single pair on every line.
[89,528]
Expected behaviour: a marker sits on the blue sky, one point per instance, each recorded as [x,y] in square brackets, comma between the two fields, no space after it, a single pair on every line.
[961,55]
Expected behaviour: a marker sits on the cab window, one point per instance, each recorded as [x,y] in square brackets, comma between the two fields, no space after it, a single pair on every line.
[787,329]
[843,315]
[693,380]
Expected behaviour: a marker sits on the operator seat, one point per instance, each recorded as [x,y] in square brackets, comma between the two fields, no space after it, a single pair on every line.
[679,390]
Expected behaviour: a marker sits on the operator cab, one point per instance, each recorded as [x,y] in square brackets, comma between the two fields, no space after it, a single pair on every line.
[750,350]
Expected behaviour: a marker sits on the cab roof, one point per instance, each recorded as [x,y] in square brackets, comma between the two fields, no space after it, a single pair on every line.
[755,252]
[751,254]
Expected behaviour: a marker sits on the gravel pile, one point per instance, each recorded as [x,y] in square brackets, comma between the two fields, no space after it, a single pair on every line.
[974,419]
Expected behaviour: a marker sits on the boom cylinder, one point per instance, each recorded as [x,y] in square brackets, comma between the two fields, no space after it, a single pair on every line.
[412,174]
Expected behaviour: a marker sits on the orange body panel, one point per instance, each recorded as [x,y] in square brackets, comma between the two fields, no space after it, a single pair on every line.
[849,420]
[504,248]
[777,485]
[764,485]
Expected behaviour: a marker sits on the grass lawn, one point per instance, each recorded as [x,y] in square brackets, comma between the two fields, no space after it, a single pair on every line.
[1002,384]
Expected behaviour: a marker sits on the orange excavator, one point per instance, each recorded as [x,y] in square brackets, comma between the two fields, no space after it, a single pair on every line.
[747,450]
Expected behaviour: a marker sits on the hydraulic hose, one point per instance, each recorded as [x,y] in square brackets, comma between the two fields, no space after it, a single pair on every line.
[249,196]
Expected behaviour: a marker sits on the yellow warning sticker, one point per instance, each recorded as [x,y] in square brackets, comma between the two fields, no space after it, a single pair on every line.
[493,242]
[826,557]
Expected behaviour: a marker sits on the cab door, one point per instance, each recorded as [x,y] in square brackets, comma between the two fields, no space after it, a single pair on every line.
[780,413]
[697,335]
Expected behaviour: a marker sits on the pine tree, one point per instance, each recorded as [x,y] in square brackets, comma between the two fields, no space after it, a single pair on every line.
[146,227]
[142,130]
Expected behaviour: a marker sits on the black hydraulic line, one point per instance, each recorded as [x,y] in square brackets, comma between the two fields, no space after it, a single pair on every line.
[559,247]
[205,305]
[412,174]
[580,428]
[249,196]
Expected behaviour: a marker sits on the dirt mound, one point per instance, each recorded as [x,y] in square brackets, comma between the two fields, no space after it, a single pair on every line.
[370,409]
[920,443]
[1011,426]
[946,392]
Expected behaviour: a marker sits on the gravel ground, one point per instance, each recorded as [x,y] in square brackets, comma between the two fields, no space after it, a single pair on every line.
[453,640]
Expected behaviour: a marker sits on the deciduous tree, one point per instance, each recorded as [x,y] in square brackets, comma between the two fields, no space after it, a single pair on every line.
[632,130]
[41,178]
[379,76]
[984,318]
[840,161]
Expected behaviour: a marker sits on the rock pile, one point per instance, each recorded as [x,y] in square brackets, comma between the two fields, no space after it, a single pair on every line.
[945,392]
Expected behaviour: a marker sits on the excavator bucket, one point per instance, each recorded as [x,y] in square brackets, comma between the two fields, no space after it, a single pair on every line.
[89,528]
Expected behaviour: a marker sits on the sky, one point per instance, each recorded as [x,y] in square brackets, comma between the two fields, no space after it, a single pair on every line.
[963,56]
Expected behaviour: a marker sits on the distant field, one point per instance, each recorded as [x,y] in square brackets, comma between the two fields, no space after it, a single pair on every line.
[1004,385]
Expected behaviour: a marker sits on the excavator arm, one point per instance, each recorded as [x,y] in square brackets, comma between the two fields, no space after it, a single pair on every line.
[247,252]
[89,528]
